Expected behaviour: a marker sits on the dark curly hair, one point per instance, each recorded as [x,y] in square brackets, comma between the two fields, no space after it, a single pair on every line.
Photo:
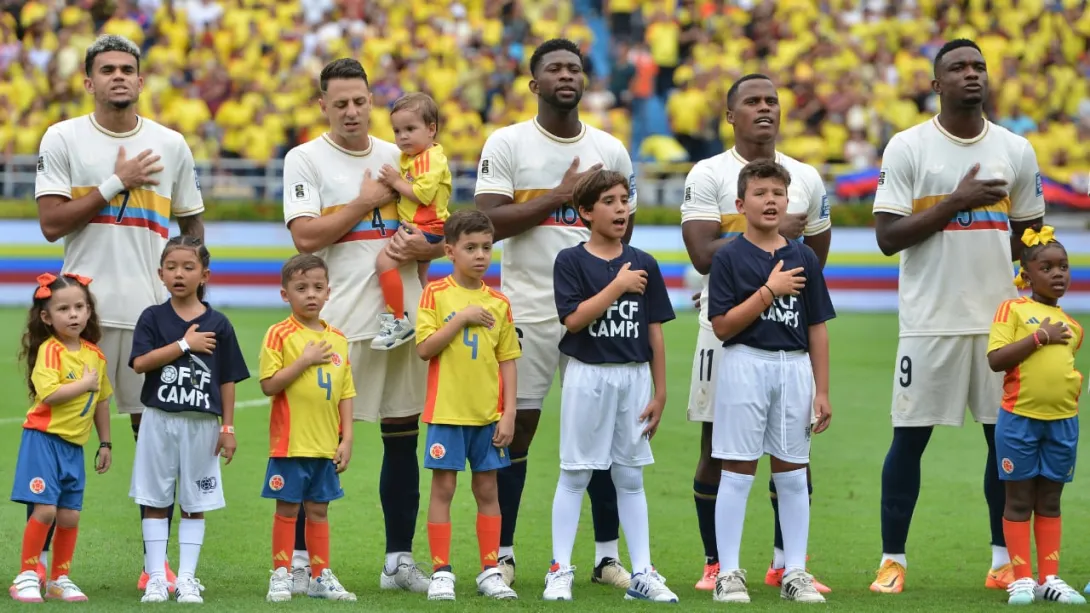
[38,332]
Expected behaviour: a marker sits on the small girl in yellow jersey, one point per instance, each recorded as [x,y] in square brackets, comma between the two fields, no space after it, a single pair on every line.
[1036,436]
[66,375]
[424,186]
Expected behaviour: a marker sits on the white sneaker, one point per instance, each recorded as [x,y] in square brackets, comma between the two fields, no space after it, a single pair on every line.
[1022,591]
[300,580]
[649,585]
[280,586]
[1055,589]
[407,576]
[26,588]
[64,589]
[506,564]
[798,585]
[156,590]
[441,586]
[490,583]
[558,583]
[328,587]
[394,332]
[730,586]
[187,590]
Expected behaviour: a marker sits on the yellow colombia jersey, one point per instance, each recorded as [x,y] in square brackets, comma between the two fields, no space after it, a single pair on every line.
[1047,385]
[305,421]
[57,366]
[464,385]
[429,173]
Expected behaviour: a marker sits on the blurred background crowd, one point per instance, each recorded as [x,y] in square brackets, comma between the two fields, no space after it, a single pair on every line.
[238,77]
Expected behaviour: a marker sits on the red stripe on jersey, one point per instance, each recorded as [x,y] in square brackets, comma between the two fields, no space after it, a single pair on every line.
[279,426]
[95,350]
[365,235]
[1003,311]
[1012,384]
[337,332]
[53,358]
[134,222]
[556,218]
[978,225]
[433,389]
[278,333]
[39,418]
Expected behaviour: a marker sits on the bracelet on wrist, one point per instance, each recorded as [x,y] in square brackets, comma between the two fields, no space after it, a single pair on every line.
[1036,340]
[184,346]
[227,429]
[106,445]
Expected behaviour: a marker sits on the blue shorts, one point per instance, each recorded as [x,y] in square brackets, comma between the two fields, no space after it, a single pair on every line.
[302,479]
[49,471]
[1027,447]
[433,239]
[448,448]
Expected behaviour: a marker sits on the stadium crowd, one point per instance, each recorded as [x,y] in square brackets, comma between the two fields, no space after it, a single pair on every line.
[235,76]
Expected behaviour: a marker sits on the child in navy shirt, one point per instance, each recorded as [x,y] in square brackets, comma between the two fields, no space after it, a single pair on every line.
[191,362]
[768,303]
[612,299]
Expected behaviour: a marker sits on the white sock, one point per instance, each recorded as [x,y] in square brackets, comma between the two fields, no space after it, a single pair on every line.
[190,539]
[794,500]
[301,559]
[156,532]
[1000,557]
[44,559]
[567,505]
[608,549]
[777,558]
[392,560]
[508,552]
[730,515]
[896,557]
[632,511]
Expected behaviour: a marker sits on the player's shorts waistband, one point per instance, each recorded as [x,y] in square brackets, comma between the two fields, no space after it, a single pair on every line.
[765,354]
[625,366]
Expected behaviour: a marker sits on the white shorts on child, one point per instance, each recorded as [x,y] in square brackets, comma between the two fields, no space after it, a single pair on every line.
[769,407]
[178,449]
[600,408]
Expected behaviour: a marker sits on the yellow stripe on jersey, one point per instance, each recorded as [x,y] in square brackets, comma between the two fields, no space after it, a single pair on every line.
[526,195]
[1047,385]
[926,202]
[141,208]
[54,367]
[990,217]
[733,224]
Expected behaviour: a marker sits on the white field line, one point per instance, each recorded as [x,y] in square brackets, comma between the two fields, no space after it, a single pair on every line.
[245,404]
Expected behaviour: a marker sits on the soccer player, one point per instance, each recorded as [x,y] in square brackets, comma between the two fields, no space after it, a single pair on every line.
[950,192]
[613,301]
[305,369]
[768,303]
[709,220]
[1034,343]
[347,224]
[524,184]
[108,184]
[466,333]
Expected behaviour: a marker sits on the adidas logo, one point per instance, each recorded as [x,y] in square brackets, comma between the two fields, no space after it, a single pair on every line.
[33,561]
[316,561]
[282,556]
[491,557]
[1017,561]
[1053,557]
[1033,320]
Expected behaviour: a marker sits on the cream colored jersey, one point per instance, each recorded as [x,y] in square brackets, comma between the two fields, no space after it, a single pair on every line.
[524,161]
[711,190]
[120,247]
[320,177]
[950,283]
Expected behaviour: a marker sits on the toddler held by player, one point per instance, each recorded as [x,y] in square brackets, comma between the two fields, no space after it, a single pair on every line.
[1034,342]
[66,375]
[466,331]
[191,361]
[423,184]
[305,369]
[613,301]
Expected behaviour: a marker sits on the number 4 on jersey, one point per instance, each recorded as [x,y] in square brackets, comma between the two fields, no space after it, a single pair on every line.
[325,381]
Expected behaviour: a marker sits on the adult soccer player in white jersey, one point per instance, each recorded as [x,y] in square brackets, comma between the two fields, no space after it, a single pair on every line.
[710,219]
[524,184]
[331,213]
[108,184]
[954,195]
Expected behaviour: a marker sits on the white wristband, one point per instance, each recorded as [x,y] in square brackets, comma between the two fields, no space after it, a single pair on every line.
[111,187]
[184,346]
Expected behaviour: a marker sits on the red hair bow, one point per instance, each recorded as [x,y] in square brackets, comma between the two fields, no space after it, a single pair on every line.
[46,279]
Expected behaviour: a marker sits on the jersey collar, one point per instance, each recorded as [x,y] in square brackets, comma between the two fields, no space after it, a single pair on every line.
[98,126]
[357,154]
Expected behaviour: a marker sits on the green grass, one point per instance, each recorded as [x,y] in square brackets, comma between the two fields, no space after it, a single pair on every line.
[949,551]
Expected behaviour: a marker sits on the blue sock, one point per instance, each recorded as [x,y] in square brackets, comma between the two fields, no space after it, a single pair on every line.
[603,507]
[399,484]
[901,485]
[509,484]
[777,534]
[704,495]
[301,529]
[994,491]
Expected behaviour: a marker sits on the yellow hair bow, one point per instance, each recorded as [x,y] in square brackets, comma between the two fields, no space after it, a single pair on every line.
[1020,279]
[1032,238]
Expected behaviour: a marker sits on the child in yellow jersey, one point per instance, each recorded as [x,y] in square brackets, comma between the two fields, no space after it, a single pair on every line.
[423,185]
[1036,436]
[466,331]
[66,374]
[305,369]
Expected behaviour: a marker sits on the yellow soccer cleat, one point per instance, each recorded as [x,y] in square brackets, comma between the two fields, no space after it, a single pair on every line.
[890,580]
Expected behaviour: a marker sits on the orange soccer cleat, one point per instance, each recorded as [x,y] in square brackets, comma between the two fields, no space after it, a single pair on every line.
[890,580]
[142,584]
[1000,578]
[774,578]
[707,582]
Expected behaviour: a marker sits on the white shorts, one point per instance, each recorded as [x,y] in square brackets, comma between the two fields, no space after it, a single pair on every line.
[178,449]
[600,408]
[705,375]
[936,377]
[388,383]
[116,345]
[769,408]
[541,357]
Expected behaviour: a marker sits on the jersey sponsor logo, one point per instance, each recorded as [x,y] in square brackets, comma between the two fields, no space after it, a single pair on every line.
[881,177]
[300,192]
[485,169]
[206,485]
[824,207]
[619,321]
[335,359]
[1040,185]
[784,310]
[437,451]
[276,483]
[37,485]
[1008,466]
[41,166]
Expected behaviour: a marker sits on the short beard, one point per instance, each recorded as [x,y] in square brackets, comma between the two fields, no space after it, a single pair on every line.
[120,105]
[555,102]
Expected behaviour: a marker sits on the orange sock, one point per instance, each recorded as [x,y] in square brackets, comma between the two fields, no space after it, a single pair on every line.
[317,535]
[1046,531]
[283,541]
[64,547]
[1016,533]
[33,540]
[439,540]
[393,292]
[488,539]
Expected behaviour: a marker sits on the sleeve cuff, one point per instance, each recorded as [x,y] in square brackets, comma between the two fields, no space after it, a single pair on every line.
[53,192]
[701,217]
[823,226]
[190,212]
[288,219]
[892,208]
[495,190]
